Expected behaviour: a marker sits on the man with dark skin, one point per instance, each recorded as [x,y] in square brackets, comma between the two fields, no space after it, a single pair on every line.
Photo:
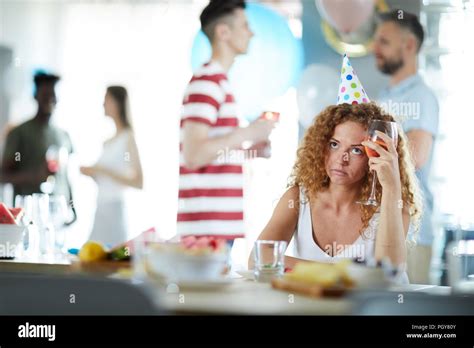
[24,161]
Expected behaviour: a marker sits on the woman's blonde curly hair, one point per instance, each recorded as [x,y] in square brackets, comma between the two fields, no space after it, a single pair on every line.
[309,171]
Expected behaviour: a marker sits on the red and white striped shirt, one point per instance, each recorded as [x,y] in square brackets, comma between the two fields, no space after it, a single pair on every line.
[211,197]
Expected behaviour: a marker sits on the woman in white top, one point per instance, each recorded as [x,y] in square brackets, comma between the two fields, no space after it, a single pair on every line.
[331,173]
[118,167]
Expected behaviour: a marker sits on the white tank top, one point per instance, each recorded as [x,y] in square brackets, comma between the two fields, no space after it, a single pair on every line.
[306,247]
[116,157]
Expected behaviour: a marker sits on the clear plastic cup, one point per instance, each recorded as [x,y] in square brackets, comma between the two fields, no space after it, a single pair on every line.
[269,258]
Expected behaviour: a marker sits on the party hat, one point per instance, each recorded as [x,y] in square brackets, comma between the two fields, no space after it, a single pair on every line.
[351,90]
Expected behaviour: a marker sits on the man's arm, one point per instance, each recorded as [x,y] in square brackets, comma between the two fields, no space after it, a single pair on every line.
[420,143]
[200,150]
[421,131]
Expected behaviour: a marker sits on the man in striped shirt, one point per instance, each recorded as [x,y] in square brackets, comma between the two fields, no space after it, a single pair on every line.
[211,156]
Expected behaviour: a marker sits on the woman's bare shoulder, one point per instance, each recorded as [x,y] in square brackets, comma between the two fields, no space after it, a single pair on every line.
[291,194]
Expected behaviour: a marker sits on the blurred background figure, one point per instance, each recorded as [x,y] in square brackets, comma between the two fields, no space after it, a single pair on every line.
[118,167]
[211,175]
[35,158]
[398,40]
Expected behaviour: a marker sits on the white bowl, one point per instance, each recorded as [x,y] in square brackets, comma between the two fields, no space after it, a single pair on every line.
[177,265]
[11,240]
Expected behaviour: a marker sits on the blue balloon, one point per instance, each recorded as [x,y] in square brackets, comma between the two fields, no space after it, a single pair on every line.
[201,50]
[272,64]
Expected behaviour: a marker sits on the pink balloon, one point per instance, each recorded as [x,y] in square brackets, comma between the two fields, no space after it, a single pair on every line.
[346,15]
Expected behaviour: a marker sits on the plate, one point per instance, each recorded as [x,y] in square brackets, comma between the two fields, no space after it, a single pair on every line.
[308,289]
[199,284]
[100,267]
[247,274]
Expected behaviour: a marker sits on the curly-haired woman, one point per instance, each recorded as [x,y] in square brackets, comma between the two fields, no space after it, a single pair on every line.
[331,173]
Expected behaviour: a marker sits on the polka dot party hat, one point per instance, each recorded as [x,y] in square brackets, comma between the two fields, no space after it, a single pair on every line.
[351,90]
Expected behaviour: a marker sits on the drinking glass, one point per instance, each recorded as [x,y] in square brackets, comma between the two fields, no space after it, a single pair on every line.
[58,213]
[56,158]
[389,128]
[269,259]
[41,219]
[40,215]
[25,202]
[270,115]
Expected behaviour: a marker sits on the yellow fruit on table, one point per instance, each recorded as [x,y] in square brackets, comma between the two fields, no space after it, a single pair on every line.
[92,251]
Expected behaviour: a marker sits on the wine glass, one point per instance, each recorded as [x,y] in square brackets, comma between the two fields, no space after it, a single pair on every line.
[29,237]
[389,128]
[58,213]
[40,214]
[270,115]
[56,159]
[25,202]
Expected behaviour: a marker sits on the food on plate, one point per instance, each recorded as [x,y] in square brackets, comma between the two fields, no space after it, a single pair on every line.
[92,251]
[10,216]
[324,274]
[6,217]
[202,245]
[17,213]
[125,250]
[316,279]
[194,246]
[190,258]
[95,251]
[121,253]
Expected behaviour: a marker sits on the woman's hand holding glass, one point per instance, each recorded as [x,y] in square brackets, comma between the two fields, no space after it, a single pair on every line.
[376,147]
[386,164]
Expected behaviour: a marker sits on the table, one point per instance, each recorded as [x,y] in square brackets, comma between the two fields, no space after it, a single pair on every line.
[61,264]
[251,298]
[54,264]
[239,296]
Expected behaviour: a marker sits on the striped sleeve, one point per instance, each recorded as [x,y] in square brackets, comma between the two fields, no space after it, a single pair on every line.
[202,100]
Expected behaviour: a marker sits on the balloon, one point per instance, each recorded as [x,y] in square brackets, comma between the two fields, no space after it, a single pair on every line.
[316,90]
[346,15]
[272,64]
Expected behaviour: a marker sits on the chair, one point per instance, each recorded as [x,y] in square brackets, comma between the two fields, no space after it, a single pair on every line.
[33,294]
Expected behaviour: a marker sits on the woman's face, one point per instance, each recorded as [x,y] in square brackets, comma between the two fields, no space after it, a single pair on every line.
[346,161]
[110,106]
